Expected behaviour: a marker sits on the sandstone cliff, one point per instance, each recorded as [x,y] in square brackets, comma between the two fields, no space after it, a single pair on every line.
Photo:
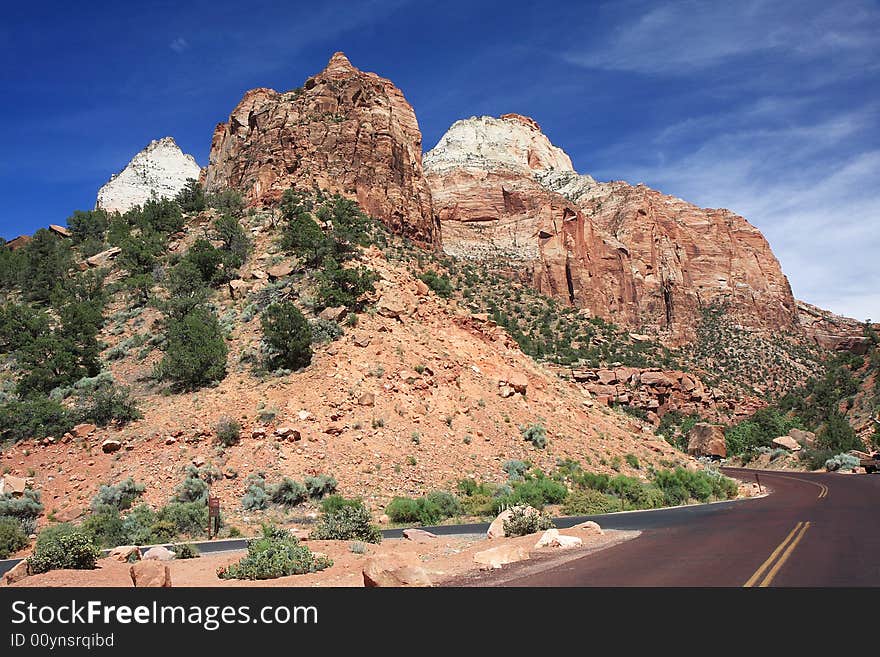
[160,170]
[344,131]
[627,253]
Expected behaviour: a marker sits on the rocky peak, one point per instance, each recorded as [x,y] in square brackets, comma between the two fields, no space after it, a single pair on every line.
[626,253]
[344,131]
[512,142]
[159,170]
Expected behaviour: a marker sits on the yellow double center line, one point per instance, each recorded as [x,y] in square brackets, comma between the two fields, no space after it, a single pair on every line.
[779,556]
[823,489]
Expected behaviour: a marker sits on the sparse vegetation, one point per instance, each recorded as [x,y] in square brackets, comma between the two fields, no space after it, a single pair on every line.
[276,554]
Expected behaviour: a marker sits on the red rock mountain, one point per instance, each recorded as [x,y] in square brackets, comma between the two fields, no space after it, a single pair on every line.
[627,253]
[344,131]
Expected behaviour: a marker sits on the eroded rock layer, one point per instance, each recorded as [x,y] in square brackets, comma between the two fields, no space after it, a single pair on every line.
[344,131]
[627,253]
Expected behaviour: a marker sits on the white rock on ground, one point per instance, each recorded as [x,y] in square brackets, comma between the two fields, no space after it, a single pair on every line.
[160,170]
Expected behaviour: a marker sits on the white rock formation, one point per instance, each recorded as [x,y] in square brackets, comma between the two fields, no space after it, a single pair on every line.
[160,170]
[511,142]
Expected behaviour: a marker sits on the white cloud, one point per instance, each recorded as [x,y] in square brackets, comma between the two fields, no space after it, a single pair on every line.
[691,35]
[179,45]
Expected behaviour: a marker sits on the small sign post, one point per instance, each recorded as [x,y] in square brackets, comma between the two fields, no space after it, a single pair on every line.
[213,516]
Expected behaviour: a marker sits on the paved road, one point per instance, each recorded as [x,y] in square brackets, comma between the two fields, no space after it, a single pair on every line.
[814,530]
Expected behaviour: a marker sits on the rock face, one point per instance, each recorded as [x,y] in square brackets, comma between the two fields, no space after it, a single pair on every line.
[160,170]
[627,253]
[707,440]
[344,131]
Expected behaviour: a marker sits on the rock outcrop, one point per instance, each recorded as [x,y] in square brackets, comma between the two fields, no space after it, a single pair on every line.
[160,170]
[627,253]
[344,131]
[707,440]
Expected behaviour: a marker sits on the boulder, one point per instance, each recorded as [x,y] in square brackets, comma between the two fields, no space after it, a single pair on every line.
[83,430]
[367,399]
[17,573]
[111,445]
[392,570]
[12,485]
[501,555]
[158,553]
[787,442]
[150,574]
[280,270]
[607,377]
[656,379]
[707,440]
[496,528]
[333,314]
[392,307]
[103,258]
[805,438]
[552,538]
[237,288]
[419,536]
[589,527]
[288,433]
[124,553]
[518,381]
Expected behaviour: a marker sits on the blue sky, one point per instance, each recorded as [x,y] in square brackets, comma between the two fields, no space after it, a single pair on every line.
[767,108]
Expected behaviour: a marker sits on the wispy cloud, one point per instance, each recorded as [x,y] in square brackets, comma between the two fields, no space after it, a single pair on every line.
[179,44]
[682,37]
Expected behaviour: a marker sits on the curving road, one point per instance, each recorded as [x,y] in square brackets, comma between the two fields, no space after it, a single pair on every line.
[814,530]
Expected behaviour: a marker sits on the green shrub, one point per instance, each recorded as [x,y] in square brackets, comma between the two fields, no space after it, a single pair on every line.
[287,492]
[193,488]
[234,238]
[535,434]
[842,462]
[524,521]
[515,469]
[324,330]
[228,431]
[33,417]
[104,527]
[138,526]
[320,486]
[192,197]
[228,202]
[446,503]
[342,286]
[195,353]
[538,491]
[186,518]
[633,461]
[105,404]
[12,536]
[25,509]
[347,523]
[587,501]
[120,496]
[403,509]
[70,549]
[439,283]
[335,502]
[273,556]
[255,497]
[186,551]
[286,336]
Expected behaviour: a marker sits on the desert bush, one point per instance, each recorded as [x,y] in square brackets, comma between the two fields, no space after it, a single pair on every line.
[403,509]
[287,492]
[324,330]
[25,509]
[70,548]
[192,197]
[228,431]
[515,469]
[439,283]
[320,486]
[286,336]
[192,489]
[255,497]
[138,526]
[120,496]
[275,555]
[842,462]
[342,286]
[104,527]
[524,521]
[12,536]
[537,491]
[186,518]
[195,353]
[335,502]
[587,501]
[350,522]
[186,551]
[535,434]
[446,503]
[105,404]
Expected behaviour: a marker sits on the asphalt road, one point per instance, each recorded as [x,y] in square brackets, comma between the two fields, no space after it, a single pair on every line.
[814,530]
